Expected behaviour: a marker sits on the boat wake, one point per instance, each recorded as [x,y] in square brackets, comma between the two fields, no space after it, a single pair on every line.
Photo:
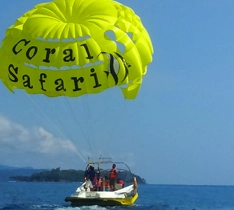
[82,208]
[49,207]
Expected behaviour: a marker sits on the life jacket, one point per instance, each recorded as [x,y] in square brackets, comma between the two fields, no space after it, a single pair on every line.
[113,173]
[94,182]
[99,182]
[121,182]
[106,184]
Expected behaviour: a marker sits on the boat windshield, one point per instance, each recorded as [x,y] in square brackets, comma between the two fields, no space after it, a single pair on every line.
[103,166]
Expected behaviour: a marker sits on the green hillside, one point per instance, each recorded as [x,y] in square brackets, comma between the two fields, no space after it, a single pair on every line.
[57,175]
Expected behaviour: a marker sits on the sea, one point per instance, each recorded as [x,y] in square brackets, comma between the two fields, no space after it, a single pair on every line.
[50,196]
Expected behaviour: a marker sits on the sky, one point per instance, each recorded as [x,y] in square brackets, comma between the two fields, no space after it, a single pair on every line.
[179,129]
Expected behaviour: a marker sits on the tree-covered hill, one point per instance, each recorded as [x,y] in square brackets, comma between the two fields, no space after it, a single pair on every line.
[57,175]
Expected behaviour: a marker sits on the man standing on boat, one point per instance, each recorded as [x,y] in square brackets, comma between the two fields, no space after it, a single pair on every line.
[91,173]
[113,176]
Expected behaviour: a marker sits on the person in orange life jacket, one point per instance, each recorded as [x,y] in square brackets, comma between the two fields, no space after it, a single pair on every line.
[119,181]
[113,176]
[99,183]
[105,184]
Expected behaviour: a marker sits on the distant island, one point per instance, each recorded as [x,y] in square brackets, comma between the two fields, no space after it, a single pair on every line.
[57,175]
[9,171]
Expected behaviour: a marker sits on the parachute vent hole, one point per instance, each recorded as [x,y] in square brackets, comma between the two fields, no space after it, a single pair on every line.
[111,35]
[121,47]
[130,35]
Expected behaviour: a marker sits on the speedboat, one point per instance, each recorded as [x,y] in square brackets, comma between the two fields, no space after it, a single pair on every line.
[119,196]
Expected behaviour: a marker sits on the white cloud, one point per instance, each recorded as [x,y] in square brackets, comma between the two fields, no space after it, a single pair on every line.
[10,131]
[36,147]
[37,139]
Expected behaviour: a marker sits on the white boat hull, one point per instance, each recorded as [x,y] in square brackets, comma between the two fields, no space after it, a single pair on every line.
[123,197]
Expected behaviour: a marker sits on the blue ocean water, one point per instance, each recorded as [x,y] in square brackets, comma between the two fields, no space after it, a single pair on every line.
[50,196]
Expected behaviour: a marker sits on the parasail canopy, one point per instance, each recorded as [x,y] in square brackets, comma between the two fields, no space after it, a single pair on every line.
[76,47]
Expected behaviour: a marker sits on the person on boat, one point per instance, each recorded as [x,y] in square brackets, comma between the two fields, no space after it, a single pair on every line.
[99,183]
[113,176]
[119,181]
[106,184]
[88,184]
[91,173]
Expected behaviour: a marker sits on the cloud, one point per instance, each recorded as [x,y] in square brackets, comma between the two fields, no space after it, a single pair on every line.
[36,147]
[37,140]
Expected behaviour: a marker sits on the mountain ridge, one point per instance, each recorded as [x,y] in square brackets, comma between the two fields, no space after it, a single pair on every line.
[9,171]
[6,167]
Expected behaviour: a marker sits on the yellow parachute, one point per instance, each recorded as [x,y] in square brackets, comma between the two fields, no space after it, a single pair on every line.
[76,47]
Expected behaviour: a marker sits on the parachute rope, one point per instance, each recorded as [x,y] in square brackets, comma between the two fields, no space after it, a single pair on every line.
[89,127]
[50,123]
[45,118]
[79,124]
